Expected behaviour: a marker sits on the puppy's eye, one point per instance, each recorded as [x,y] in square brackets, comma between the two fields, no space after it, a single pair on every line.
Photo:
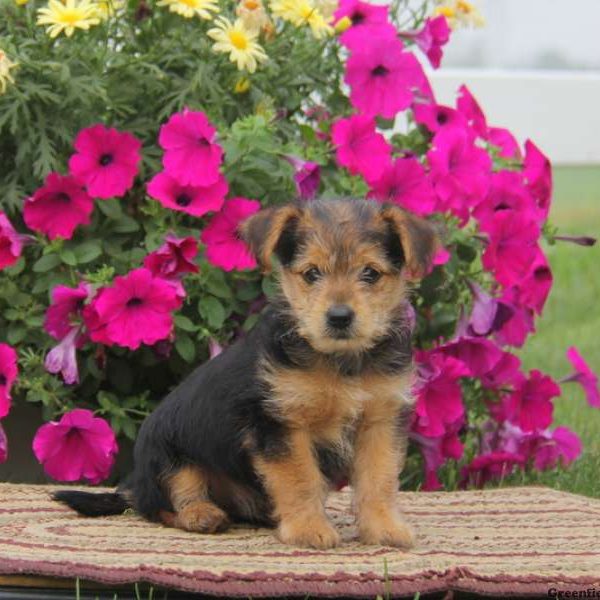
[311,275]
[370,275]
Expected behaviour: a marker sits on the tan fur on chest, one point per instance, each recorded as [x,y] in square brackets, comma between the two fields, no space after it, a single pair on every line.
[327,403]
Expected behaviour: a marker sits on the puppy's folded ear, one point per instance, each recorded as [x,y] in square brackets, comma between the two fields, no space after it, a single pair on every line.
[412,241]
[271,231]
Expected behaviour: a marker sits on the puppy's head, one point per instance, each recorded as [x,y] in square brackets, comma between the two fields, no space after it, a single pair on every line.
[344,265]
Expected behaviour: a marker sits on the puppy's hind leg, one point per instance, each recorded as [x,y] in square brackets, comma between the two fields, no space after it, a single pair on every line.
[194,511]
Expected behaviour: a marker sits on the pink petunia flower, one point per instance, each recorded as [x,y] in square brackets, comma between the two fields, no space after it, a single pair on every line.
[224,248]
[405,183]
[507,192]
[460,171]
[307,176]
[515,329]
[506,372]
[530,405]
[478,354]
[468,106]
[135,310]
[366,18]
[62,358]
[3,445]
[487,315]
[505,141]
[65,311]
[195,200]
[58,207]
[8,374]
[439,396]
[382,76]
[359,147]
[11,243]
[191,154]
[214,348]
[535,287]
[437,450]
[512,246]
[584,376]
[437,116]
[106,160]
[487,467]
[79,446]
[432,38]
[537,171]
[173,260]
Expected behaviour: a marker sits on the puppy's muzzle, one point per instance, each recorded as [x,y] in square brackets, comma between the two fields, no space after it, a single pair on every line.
[340,318]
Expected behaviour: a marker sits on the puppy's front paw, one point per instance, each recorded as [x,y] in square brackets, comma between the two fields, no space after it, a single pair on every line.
[386,529]
[202,517]
[309,532]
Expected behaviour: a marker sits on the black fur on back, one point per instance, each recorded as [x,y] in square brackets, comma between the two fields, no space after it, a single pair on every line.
[92,504]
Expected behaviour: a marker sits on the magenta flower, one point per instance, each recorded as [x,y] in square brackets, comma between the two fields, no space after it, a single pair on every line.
[3,445]
[307,177]
[214,348]
[11,243]
[549,448]
[436,450]
[439,397]
[512,246]
[79,446]
[191,154]
[135,310]
[8,374]
[174,258]
[359,147]
[195,200]
[224,248]
[530,405]
[515,329]
[432,38]
[505,372]
[507,192]
[366,18]
[479,355]
[62,358]
[106,160]
[405,183]
[505,141]
[58,207]
[487,315]
[584,376]
[536,285]
[537,171]
[437,116]
[468,106]
[487,467]
[65,311]
[460,171]
[381,76]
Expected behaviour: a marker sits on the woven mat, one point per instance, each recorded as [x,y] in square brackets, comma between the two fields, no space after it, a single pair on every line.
[502,542]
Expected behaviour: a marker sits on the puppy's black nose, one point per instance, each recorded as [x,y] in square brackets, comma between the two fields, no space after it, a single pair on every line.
[340,316]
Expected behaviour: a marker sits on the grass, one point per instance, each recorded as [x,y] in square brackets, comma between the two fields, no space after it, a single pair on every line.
[572,317]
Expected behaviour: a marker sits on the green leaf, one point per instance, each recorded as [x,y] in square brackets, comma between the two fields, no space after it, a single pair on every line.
[269,287]
[217,285]
[68,257]
[111,208]
[47,262]
[16,333]
[185,347]
[125,225]
[212,310]
[184,323]
[88,251]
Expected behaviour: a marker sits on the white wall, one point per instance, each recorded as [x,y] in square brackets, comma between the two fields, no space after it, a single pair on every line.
[558,110]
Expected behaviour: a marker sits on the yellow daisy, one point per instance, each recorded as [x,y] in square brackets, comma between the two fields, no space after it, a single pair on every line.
[253,14]
[460,12]
[191,8]
[239,41]
[302,12]
[68,16]
[108,8]
[5,66]
[21,2]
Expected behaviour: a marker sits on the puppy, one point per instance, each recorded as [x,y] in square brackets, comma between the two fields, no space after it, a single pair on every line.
[316,394]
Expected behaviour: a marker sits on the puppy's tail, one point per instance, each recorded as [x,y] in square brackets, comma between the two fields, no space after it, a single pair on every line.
[93,505]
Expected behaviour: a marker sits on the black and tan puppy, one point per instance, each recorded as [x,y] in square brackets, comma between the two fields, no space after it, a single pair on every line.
[317,393]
